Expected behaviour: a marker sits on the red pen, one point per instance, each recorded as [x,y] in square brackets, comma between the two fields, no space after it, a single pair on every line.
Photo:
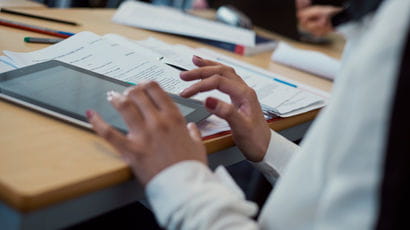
[37,29]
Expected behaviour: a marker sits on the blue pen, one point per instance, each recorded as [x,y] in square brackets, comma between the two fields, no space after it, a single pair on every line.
[66,33]
[285,82]
[258,73]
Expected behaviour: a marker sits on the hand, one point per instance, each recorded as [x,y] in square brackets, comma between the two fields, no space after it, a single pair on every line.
[249,129]
[300,4]
[317,19]
[157,136]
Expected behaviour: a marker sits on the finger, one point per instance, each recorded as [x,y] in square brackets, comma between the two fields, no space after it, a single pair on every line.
[310,14]
[304,14]
[231,87]
[127,159]
[194,132]
[200,62]
[142,101]
[317,29]
[322,22]
[113,136]
[160,97]
[309,19]
[312,27]
[129,112]
[223,110]
[202,73]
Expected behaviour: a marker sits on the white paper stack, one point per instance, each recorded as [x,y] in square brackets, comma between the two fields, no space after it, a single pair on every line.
[170,20]
[310,61]
[6,64]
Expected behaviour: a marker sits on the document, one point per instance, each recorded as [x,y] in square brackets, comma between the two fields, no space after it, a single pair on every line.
[102,55]
[306,60]
[213,125]
[279,95]
[170,20]
[177,55]
[6,64]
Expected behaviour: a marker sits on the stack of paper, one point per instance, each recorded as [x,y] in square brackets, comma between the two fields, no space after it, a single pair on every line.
[306,60]
[136,61]
[171,20]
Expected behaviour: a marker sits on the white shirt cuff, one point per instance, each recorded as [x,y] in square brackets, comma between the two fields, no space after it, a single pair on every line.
[174,186]
[277,156]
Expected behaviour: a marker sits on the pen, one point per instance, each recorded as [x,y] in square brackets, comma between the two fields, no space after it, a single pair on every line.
[37,17]
[262,74]
[172,65]
[37,29]
[285,82]
[43,40]
[176,67]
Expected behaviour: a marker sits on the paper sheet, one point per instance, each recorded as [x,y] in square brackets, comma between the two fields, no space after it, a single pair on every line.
[212,125]
[6,64]
[306,60]
[173,54]
[101,55]
[269,92]
[171,20]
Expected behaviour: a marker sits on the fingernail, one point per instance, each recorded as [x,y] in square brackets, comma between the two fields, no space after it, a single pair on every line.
[109,95]
[182,92]
[112,94]
[198,57]
[211,103]
[197,60]
[127,91]
[126,158]
[90,113]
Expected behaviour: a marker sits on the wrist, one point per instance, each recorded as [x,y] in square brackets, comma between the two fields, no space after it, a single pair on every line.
[259,146]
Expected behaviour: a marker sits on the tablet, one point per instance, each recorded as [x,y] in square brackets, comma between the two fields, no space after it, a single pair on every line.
[66,92]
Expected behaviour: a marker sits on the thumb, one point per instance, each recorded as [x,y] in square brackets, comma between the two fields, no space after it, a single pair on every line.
[194,132]
[222,109]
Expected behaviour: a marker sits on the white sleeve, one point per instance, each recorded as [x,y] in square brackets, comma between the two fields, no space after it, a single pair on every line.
[277,157]
[188,195]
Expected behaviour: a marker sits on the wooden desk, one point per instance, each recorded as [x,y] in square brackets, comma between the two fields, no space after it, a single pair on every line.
[45,162]
[21,4]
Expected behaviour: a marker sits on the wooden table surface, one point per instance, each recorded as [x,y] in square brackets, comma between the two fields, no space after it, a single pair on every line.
[44,160]
[21,4]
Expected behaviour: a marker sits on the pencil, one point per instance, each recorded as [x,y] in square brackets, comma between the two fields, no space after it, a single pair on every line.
[37,29]
[42,40]
[37,17]
[176,67]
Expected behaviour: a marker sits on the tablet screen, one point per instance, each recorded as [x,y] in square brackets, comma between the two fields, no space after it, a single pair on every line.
[72,91]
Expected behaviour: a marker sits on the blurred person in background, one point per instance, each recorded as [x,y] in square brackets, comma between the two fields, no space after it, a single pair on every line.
[320,17]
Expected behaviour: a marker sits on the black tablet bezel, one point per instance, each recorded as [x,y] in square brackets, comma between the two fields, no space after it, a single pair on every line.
[197,115]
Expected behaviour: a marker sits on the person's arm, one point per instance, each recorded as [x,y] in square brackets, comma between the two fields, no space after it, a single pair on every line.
[182,190]
[188,195]
[185,194]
